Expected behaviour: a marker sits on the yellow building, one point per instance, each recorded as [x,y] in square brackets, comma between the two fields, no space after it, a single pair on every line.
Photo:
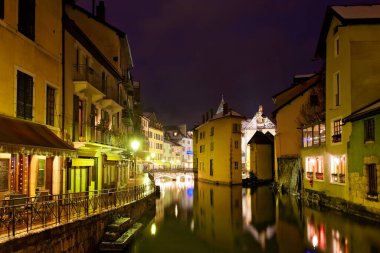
[217,142]
[290,117]
[98,101]
[261,156]
[32,154]
[350,45]
[156,140]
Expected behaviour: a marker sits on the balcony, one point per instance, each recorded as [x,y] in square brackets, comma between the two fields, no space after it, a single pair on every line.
[99,136]
[87,81]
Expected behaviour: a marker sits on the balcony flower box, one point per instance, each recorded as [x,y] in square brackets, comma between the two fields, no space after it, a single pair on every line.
[309,175]
[319,175]
[336,138]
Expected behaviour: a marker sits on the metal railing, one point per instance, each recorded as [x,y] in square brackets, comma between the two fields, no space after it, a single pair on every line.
[22,215]
[83,72]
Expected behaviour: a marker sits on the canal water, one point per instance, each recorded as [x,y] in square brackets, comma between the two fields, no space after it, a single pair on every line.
[200,217]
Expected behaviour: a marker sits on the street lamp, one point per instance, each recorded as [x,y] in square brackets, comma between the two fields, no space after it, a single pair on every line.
[135,146]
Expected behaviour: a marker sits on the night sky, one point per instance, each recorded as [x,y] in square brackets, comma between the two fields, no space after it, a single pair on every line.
[187,53]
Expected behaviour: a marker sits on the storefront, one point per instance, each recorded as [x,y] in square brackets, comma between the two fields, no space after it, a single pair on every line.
[31,158]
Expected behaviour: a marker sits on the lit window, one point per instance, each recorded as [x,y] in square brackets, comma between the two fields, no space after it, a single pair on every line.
[314,165]
[337,128]
[338,169]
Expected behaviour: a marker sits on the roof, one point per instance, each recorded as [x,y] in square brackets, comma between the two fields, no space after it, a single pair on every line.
[260,138]
[367,111]
[347,15]
[22,136]
[119,32]
[286,96]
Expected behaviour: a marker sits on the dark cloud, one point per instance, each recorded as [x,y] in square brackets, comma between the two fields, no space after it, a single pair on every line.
[187,53]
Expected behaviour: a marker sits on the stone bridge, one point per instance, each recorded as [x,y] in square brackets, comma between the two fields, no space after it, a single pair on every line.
[179,175]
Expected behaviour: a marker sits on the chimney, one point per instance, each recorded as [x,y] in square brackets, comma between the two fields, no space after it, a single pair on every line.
[225,108]
[101,11]
[203,118]
[211,113]
[206,116]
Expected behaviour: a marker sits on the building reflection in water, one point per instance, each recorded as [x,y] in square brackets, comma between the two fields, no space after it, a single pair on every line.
[218,215]
[259,214]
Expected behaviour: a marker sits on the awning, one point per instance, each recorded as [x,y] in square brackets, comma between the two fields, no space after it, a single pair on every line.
[26,137]
[82,162]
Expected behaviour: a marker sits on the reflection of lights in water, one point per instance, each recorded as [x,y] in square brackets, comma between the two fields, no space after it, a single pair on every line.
[153,229]
[315,241]
[176,210]
[192,225]
[190,192]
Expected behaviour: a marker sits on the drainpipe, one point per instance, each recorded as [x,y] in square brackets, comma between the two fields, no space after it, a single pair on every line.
[63,89]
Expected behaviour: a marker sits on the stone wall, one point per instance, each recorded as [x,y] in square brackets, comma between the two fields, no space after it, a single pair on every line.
[288,169]
[79,236]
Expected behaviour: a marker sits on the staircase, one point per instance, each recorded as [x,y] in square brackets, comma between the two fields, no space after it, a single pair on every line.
[119,233]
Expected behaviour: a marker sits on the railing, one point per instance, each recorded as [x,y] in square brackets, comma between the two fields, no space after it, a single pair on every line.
[100,137]
[83,72]
[22,215]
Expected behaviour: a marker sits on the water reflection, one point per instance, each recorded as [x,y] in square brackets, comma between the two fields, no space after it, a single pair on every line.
[204,217]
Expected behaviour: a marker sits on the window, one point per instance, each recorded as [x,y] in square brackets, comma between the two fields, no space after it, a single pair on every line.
[372,179]
[211,146]
[236,128]
[337,128]
[211,197]
[338,169]
[26,18]
[41,173]
[337,89]
[314,165]
[369,129]
[236,144]
[1,9]
[236,165]
[212,131]
[50,105]
[336,47]
[314,100]
[81,110]
[314,135]
[211,167]
[24,96]
[201,148]
[104,83]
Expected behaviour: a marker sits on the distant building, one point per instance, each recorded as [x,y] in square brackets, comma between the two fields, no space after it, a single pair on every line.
[259,122]
[217,142]
[261,156]
[156,140]
[180,136]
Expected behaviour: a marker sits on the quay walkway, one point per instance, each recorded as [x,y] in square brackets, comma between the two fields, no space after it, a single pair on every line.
[20,214]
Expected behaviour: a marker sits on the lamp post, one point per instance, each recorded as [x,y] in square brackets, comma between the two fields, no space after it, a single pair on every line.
[135,146]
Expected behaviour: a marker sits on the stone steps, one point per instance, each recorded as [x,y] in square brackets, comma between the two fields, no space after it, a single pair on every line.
[122,241]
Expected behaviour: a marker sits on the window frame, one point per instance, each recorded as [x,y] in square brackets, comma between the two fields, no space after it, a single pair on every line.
[50,105]
[23,79]
[369,130]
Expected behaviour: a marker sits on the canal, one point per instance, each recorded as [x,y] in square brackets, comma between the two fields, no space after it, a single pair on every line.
[200,217]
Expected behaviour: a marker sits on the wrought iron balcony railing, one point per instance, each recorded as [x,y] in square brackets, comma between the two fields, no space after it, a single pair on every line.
[24,214]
